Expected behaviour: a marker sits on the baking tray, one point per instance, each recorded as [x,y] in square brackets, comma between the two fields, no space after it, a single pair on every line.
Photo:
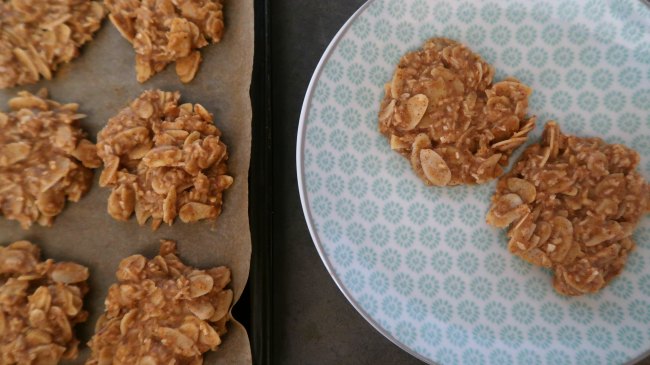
[257,296]
[253,308]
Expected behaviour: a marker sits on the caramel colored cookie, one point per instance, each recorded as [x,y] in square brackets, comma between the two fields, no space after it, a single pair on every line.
[163,160]
[38,36]
[443,113]
[40,303]
[572,204]
[45,159]
[165,31]
[162,311]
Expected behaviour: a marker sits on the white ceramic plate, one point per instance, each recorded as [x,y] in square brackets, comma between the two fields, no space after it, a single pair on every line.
[419,263]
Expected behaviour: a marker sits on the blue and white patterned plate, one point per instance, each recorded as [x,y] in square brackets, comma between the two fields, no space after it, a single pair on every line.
[419,263]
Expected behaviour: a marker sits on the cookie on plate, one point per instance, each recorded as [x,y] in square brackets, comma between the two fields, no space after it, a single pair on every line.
[162,311]
[45,159]
[36,37]
[443,113]
[163,160]
[572,204]
[40,303]
[167,31]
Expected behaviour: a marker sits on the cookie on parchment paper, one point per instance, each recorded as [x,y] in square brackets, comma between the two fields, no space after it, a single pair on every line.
[37,36]
[45,158]
[40,303]
[162,311]
[163,160]
[166,31]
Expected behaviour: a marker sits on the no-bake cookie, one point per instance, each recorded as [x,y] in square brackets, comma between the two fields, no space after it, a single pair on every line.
[163,160]
[40,303]
[443,113]
[572,204]
[167,31]
[37,36]
[162,311]
[45,158]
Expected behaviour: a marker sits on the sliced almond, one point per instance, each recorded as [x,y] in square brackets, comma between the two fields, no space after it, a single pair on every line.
[41,299]
[124,26]
[12,153]
[175,339]
[26,60]
[121,202]
[488,168]
[50,202]
[144,109]
[208,336]
[204,113]
[59,168]
[193,211]
[523,188]
[387,112]
[169,207]
[397,143]
[186,67]
[222,305]
[139,151]
[420,142]
[27,102]
[109,174]
[562,238]
[416,107]
[509,144]
[200,285]
[396,84]
[435,168]
[191,138]
[127,321]
[69,273]
[163,156]
[506,210]
[202,309]
[86,152]
[551,138]
[599,238]
[528,126]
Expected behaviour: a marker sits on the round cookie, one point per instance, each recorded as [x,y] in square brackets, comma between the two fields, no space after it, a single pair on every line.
[45,159]
[40,304]
[163,160]
[172,313]
[572,204]
[442,112]
[36,38]
[167,31]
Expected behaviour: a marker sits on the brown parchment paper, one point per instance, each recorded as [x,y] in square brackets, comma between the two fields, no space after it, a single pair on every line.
[102,80]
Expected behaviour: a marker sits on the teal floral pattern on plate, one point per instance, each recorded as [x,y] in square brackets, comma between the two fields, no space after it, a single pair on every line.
[419,263]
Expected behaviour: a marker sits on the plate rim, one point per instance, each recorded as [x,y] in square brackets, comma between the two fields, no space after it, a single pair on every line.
[300,144]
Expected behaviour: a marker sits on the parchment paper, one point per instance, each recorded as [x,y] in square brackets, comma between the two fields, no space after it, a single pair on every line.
[102,80]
